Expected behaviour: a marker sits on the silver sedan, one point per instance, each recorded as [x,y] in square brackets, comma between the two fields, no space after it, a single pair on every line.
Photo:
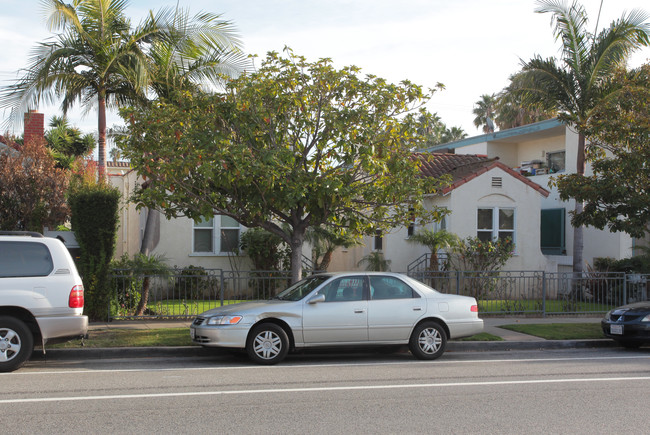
[341,309]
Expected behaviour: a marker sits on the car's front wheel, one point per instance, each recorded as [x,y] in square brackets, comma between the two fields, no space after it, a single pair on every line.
[428,341]
[267,344]
[16,343]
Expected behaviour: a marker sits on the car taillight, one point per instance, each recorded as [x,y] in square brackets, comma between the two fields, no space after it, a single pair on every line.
[474,309]
[76,299]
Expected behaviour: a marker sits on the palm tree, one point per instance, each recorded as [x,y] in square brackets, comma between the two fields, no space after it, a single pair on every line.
[99,58]
[96,59]
[197,52]
[67,142]
[324,242]
[578,82]
[375,262]
[485,111]
[435,241]
[512,112]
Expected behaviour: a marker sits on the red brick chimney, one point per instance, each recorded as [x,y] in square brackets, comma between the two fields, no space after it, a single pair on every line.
[34,125]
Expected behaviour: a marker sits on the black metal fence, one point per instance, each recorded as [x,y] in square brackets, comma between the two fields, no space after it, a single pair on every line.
[183,295]
[540,293]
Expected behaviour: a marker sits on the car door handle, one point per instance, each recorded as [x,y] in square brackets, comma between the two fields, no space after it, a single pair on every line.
[359,311]
[417,308]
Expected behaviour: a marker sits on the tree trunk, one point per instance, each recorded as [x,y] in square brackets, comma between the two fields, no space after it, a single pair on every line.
[150,227]
[101,140]
[325,262]
[144,297]
[296,257]
[578,237]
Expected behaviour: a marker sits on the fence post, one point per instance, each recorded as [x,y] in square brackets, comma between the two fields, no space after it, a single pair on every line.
[544,294]
[221,289]
[625,275]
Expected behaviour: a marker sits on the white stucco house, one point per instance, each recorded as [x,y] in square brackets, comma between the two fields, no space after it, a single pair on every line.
[539,151]
[486,199]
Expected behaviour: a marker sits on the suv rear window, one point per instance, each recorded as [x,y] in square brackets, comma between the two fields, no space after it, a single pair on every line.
[24,259]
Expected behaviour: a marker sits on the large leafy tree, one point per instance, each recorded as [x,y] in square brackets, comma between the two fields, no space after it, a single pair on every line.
[32,189]
[288,147]
[578,82]
[617,195]
[98,59]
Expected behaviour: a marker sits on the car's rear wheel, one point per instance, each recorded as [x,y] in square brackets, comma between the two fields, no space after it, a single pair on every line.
[16,343]
[267,344]
[428,341]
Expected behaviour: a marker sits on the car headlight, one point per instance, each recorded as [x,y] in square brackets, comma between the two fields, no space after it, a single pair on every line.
[224,320]
[608,315]
[646,318]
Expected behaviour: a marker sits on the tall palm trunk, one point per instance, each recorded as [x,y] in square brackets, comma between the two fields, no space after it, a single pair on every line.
[578,236]
[101,140]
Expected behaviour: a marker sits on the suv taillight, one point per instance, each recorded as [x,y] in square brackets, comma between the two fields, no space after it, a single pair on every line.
[76,297]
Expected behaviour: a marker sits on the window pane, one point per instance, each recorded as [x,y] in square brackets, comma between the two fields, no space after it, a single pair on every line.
[379,241]
[506,235]
[229,240]
[484,218]
[24,259]
[228,222]
[485,236]
[389,288]
[506,219]
[202,240]
[205,223]
[556,161]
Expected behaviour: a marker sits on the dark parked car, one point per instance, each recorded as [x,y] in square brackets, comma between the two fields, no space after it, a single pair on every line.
[628,325]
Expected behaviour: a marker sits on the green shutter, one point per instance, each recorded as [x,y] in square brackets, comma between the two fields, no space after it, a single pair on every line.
[553,231]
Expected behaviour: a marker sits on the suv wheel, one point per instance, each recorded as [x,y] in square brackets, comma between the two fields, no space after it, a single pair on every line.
[16,343]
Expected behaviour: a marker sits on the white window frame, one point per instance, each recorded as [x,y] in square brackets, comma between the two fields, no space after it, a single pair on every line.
[495,230]
[216,236]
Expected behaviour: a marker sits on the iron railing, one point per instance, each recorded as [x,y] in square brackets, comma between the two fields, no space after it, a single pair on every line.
[180,294]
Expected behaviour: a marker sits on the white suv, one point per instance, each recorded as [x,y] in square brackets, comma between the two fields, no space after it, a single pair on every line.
[41,296]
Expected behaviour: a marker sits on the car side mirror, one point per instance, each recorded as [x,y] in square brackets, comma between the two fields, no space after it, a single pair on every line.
[316,299]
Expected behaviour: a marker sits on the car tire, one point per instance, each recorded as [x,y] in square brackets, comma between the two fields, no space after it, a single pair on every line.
[628,344]
[428,341]
[16,343]
[267,344]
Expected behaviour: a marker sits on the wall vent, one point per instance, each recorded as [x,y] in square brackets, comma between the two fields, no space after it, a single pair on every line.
[497,182]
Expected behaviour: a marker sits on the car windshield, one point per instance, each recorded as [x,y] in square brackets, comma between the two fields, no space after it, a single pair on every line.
[302,288]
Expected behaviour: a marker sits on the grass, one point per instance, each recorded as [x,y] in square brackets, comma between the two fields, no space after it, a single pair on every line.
[560,331]
[111,337]
[180,307]
[496,306]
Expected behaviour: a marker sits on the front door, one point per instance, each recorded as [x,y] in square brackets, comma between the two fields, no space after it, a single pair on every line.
[342,318]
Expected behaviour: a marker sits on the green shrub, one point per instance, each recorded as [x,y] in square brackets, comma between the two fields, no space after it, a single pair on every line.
[94,219]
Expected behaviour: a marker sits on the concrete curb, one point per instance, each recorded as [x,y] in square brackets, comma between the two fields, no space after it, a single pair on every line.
[197,351]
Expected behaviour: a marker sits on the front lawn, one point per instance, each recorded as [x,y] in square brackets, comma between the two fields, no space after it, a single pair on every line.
[496,306]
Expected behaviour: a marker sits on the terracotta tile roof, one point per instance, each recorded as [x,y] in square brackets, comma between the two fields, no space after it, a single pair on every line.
[113,164]
[465,167]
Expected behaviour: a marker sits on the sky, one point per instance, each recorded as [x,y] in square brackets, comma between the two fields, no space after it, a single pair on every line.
[471,46]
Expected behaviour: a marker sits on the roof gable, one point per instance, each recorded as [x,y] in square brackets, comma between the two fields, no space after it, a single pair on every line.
[465,167]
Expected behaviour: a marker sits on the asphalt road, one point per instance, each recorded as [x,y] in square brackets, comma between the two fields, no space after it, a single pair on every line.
[588,391]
